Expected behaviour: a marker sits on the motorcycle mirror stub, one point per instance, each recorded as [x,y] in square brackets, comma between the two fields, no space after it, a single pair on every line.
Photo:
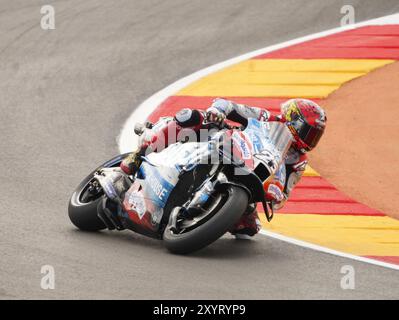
[139,129]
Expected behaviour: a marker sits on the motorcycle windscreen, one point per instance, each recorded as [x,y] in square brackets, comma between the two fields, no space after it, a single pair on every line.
[270,141]
[280,136]
[269,135]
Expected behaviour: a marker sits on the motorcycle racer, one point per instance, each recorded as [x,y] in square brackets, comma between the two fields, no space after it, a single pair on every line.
[304,118]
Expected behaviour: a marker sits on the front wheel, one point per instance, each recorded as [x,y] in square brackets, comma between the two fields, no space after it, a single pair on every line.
[227,208]
[82,209]
[83,203]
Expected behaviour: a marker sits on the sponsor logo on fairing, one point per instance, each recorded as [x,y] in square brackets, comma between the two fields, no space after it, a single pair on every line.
[276,192]
[253,130]
[156,187]
[137,203]
[264,115]
[242,145]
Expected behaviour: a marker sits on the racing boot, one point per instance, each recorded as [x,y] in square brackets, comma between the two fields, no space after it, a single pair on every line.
[131,163]
[248,225]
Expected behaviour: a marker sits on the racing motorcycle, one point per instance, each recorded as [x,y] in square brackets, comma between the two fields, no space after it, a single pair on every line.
[190,193]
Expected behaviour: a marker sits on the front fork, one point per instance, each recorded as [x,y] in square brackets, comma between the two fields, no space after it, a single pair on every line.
[114,184]
[199,199]
[202,195]
[205,191]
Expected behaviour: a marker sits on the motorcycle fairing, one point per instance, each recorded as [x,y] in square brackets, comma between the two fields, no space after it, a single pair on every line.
[157,177]
[155,183]
[148,195]
[270,142]
[159,173]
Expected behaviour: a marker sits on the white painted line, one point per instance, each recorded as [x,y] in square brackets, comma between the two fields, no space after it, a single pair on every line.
[127,140]
[327,250]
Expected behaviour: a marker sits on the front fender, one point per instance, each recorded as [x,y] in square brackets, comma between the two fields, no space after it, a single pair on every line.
[247,179]
[224,184]
[251,183]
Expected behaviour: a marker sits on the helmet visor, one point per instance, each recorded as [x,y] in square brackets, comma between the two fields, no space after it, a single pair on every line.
[307,133]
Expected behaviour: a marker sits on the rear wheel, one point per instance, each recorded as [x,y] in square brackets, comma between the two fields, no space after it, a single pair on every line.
[216,219]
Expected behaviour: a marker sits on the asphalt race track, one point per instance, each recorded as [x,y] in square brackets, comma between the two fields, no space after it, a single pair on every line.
[64,96]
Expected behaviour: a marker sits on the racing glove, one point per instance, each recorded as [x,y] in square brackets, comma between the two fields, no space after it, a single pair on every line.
[215,117]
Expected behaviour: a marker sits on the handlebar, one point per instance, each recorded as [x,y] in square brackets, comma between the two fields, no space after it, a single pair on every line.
[222,125]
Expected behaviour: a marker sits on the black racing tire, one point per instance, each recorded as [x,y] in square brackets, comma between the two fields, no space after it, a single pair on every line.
[208,232]
[84,214]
